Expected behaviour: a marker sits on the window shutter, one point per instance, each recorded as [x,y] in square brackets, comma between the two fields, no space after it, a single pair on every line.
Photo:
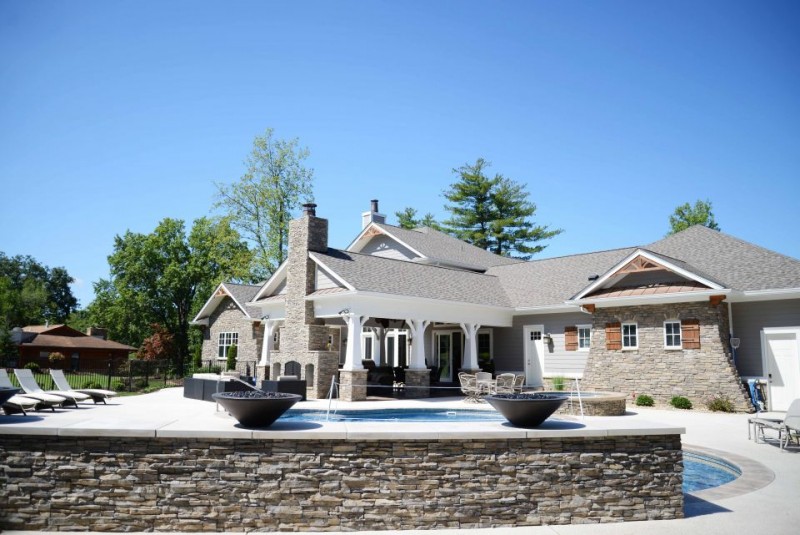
[614,336]
[571,338]
[690,334]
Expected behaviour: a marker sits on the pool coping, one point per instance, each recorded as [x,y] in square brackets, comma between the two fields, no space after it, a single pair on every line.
[754,475]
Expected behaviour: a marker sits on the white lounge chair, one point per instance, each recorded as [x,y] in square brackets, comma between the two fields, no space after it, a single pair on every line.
[787,428]
[18,403]
[97,394]
[28,383]
[43,400]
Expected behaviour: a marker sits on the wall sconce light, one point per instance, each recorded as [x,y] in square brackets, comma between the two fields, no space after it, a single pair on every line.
[547,338]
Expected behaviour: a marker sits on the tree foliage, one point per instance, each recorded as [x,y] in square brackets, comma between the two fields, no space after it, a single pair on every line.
[158,346]
[261,203]
[687,215]
[494,213]
[164,278]
[32,293]
[407,218]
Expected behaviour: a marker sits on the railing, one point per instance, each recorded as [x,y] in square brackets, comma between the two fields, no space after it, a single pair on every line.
[125,376]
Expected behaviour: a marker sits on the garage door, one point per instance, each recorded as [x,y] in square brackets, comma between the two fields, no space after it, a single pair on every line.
[781,348]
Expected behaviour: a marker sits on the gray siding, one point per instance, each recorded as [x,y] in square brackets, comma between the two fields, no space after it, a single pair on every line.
[325,280]
[509,353]
[386,247]
[281,288]
[749,319]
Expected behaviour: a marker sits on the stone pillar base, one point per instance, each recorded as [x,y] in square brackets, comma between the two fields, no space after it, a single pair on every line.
[418,383]
[262,374]
[353,385]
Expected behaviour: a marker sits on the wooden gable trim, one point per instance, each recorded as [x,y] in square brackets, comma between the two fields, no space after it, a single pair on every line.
[639,264]
[571,338]
[614,336]
[690,334]
[220,293]
[716,300]
[372,232]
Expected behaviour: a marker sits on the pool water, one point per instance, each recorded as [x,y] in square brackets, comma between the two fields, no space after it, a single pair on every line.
[392,415]
[702,472]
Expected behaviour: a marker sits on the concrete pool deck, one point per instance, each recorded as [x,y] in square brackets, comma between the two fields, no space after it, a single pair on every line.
[770,508]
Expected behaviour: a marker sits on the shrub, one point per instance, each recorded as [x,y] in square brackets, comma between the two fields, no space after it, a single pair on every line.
[139,383]
[118,385]
[558,383]
[644,401]
[92,384]
[231,362]
[680,402]
[197,358]
[720,403]
[56,359]
[34,367]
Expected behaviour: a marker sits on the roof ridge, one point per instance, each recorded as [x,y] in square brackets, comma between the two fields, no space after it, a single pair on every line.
[409,262]
[536,260]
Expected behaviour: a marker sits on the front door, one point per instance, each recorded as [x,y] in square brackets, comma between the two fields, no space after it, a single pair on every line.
[534,352]
[782,365]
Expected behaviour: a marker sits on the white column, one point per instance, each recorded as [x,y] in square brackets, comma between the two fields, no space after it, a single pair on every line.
[355,324]
[379,334]
[417,331]
[268,344]
[471,348]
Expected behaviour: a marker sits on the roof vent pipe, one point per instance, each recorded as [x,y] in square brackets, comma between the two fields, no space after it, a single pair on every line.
[374,205]
[372,215]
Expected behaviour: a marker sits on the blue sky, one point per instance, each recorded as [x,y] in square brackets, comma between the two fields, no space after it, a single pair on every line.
[115,115]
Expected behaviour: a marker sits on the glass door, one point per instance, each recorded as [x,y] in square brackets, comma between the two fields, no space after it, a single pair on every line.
[444,356]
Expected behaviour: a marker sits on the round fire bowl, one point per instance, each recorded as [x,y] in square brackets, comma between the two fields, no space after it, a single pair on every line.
[526,410]
[255,408]
[7,393]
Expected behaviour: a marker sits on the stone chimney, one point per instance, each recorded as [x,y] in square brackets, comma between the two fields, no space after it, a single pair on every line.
[372,215]
[303,336]
[97,332]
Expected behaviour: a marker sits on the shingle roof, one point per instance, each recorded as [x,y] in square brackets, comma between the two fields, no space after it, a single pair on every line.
[244,293]
[552,281]
[75,342]
[735,263]
[383,275]
[438,246]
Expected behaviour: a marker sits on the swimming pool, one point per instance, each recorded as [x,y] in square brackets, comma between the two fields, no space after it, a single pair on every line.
[702,472]
[393,415]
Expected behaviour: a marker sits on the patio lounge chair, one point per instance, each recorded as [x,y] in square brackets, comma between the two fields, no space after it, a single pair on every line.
[97,394]
[43,401]
[18,403]
[787,428]
[28,383]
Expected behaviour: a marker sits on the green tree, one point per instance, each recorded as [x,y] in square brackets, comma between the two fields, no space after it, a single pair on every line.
[261,203]
[31,292]
[494,213]
[687,215]
[407,219]
[164,277]
[230,362]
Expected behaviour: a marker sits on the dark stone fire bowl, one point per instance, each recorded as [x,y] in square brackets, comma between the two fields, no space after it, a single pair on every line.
[7,393]
[255,408]
[526,410]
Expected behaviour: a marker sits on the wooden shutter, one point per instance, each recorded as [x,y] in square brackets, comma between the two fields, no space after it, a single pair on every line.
[690,334]
[571,338]
[614,336]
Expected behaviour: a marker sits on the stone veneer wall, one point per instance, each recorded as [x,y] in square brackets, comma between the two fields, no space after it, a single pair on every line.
[229,318]
[304,338]
[136,484]
[663,373]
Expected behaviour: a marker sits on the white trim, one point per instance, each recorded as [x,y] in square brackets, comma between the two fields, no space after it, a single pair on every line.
[765,332]
[656,259]
[681,297]
[548,309]
[622,335]
[198,320]
[579,327]
[272,281]
[351,248]
[765,295]
[680,334]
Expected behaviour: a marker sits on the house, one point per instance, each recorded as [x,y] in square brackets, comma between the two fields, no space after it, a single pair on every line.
[82,351]
[226,320]
[694,314]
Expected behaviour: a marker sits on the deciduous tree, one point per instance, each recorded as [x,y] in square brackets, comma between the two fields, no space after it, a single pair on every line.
[687,215]
[261,203]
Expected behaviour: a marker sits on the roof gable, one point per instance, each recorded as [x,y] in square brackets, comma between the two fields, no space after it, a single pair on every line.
[240,294]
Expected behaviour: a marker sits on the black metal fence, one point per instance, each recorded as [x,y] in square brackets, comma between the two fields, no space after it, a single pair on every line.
[125,376]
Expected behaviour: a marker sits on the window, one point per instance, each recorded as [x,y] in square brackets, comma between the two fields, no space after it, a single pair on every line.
[630,338]
[484,346]
[672,334]
[226,340]
[584,337]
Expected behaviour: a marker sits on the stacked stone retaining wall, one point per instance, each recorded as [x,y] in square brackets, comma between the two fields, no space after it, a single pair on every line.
[161,484]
